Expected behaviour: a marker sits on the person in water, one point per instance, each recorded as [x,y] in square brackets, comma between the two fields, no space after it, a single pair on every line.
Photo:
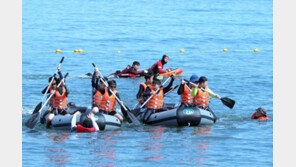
[185,90]
[156,103]
[60,102]
[88,125]
[102,97]
[157,68]
[260,114]
[201,94]
[133,70]
[143,86]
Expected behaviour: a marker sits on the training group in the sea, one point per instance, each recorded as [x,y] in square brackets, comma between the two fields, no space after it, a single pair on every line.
[193,110]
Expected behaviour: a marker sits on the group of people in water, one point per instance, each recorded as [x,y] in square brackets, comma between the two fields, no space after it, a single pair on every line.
[194,92]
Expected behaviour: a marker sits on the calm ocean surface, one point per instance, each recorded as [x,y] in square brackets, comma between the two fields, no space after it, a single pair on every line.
[144,31]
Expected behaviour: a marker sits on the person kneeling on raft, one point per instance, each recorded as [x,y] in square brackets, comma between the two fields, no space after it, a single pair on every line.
[52,87]
[155,104]
[59,103]
[157,68]
[133,70]
[260,114]
[88,125]
[143,86]
[103,98]
[201,97]
[185,90]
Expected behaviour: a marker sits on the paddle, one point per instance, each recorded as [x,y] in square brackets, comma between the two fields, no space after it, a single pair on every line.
[52,79]
[225,100]
[31,123]
[132,118]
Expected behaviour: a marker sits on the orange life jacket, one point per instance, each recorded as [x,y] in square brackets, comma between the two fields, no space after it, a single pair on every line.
[186,96]
[51,100]
[60,101]
[102,101]
[202,98]
[112,101]
[156,102]
[145,86]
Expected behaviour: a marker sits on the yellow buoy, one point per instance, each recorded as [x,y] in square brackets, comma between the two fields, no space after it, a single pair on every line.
[256,50]
[75,50]
[182,50]
[58,51]
[225,50]
[118,51]
[80,50]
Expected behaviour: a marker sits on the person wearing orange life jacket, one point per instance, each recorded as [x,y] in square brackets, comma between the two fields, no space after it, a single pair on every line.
[202,97]
[143,86]
[260,114]
[52,87]
[112,100]
[156,103]
[185,91]
[60,102]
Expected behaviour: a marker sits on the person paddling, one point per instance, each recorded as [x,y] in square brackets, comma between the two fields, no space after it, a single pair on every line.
[185,90]
[143,86]
[201,97]
[156,103]
[260,114]
[88,125]
[157,68]
[133,70]
[112,100]
[101,96]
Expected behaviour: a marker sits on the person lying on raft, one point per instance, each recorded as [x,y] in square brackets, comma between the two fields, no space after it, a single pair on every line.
[143,86]
[133,70]
[60,101]
[155,104]
[185,90]
[88,125]
[52,87]
[103,98]
[157,68]
[201,97]
[260,114]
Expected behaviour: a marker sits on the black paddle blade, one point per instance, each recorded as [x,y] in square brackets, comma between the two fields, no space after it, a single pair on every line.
[32,121]
[34,118]
[132,117]
[228,102]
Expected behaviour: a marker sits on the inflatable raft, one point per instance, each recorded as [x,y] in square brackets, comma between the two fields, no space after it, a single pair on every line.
[180,116]
[105,122]
[128,75]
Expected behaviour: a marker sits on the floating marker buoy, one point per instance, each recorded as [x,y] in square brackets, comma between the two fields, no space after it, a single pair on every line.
[256,50]
[58,51]
[182,50]
[118,51]
[80,50]
[225,50]
[75,50]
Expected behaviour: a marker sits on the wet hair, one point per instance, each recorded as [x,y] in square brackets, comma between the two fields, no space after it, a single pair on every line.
[111,82]
[156,82]
[202,79]
[87,123]
[162,60]
[136,63]
[50,78]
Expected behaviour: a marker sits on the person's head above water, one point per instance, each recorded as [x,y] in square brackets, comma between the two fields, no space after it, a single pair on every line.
[165,59]
[101,84]
[149,78]
[203,82]
[260,112]
[156,84]
[112,84]
[136,65]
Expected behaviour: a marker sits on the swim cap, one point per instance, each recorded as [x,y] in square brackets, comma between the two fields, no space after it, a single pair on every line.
[194,78]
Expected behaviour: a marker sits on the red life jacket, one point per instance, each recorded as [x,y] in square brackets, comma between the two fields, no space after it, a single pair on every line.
[156,102]
[186,96]
[80,128]
[60,101]
[260,118]
[202,98]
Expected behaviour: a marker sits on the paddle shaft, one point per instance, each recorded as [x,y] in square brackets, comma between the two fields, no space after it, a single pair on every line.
[52,79]
[202,89]
[154,94]
[52,93]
